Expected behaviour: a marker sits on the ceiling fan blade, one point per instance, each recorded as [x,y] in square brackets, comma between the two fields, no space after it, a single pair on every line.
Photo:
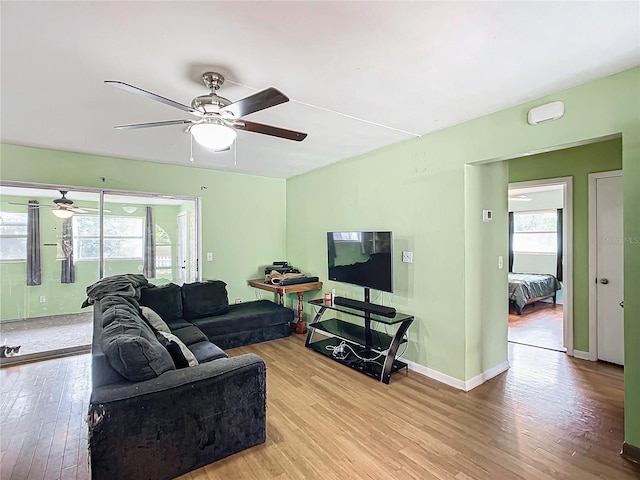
[37,206]
[153,96]
[269,130]
[87,209]
[269,97]
[134,126]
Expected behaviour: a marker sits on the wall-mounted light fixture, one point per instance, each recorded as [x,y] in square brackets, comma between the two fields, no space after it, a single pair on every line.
[545,113]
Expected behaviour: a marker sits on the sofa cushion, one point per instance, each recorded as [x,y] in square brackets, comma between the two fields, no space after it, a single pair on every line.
[204,299]
[165,300]
[131,347]
[207,351]
[182,356]
[190,334]
[244,317]
[155,320]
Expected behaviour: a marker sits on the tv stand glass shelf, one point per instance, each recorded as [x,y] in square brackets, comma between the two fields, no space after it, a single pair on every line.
[368,350]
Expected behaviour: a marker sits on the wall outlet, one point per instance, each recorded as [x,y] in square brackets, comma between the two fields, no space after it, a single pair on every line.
[407,257]
[43,299]
[500,262]
[238,300]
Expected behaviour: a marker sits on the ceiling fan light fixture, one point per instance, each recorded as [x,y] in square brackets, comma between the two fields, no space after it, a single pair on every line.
[213,136]
[62,213]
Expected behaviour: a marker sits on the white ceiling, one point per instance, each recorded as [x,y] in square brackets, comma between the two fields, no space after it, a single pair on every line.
[360,75]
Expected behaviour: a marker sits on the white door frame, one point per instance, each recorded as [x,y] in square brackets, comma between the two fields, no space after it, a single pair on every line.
[183,246]
[567,247]
[593,256]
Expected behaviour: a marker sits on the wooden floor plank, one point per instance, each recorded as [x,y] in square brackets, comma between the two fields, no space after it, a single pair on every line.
[549,417]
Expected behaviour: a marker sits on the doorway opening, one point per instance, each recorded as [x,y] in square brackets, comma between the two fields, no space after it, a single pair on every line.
[540,248]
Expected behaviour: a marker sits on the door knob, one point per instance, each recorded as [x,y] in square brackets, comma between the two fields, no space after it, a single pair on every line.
[604,281]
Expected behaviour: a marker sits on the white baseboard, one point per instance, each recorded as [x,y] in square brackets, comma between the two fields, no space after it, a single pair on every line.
[583,355]
[456,382]
[488,375]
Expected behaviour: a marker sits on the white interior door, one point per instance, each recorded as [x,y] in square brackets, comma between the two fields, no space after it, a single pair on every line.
[609,269]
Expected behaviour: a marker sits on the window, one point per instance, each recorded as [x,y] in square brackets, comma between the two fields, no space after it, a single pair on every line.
[535,232]
[123,237]
[346,236]
[13,236]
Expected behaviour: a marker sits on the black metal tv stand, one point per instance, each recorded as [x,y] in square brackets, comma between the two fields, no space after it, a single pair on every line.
[370,351]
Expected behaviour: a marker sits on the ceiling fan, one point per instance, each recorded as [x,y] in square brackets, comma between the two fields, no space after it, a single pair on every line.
[62,207]
[217,118]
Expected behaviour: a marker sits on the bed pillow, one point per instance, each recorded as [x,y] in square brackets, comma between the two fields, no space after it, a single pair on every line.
[180,353]
[155,320]
[204,299]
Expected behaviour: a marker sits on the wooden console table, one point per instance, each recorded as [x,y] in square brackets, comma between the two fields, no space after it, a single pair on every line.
[281,290]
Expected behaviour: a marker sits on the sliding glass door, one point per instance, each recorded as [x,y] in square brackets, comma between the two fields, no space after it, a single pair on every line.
[154,236]
[56,241]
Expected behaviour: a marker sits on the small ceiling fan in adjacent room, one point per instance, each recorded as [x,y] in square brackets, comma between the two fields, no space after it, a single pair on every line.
[62,207]
[217,118]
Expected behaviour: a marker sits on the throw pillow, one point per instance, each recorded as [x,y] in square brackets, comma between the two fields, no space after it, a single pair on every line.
[155,320]
[204,299]
[182,357]
[165,300]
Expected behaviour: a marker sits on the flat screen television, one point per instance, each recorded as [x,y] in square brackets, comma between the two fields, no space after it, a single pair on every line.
[361,258]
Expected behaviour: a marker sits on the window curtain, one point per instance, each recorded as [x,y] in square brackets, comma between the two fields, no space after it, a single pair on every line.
[68,272]
[560,251]
[149,263]
[510,242]
[34,270]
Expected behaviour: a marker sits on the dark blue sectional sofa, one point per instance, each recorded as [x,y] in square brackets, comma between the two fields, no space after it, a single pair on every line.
[150,415]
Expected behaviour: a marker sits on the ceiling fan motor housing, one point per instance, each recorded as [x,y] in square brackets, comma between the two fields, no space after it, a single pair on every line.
[63,201]
[211,103]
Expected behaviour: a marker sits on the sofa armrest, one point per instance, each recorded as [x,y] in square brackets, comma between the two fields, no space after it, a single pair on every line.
[182,420]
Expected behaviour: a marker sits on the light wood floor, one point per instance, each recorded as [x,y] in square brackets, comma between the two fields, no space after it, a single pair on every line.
[540,325]
[548,417]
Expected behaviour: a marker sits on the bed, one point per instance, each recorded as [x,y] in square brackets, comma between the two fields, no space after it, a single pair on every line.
[528,288]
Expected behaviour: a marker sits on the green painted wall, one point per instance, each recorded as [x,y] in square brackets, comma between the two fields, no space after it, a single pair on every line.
[576,162]
[240,228]
[486,311]
[425,191]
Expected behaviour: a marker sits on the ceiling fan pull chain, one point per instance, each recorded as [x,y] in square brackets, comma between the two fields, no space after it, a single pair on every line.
[235,153]
[191,142]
